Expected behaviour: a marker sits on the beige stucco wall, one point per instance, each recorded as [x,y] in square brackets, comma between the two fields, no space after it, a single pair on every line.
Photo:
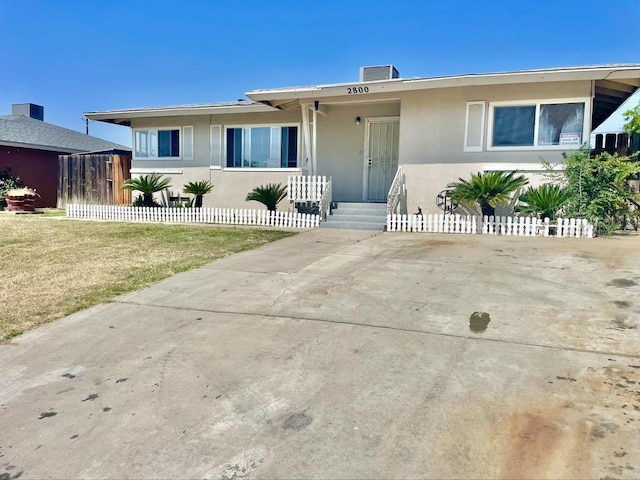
[230,187]
[341,145]
[432,127]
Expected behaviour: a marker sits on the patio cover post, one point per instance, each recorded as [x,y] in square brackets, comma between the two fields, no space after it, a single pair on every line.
[307,135]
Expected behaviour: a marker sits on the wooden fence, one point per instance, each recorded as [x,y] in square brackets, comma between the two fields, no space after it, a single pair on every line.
[470,224]
[225,216]
[94,178]
[620,143]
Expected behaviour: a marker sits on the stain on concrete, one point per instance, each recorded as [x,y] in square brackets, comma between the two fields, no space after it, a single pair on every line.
[121,380]
[621,303]
[479,321]
[91,397]
[622,322]
[106,409]
[8,476]
[47,415]
[241,465]
[622,283]
[297,421]
[538,439]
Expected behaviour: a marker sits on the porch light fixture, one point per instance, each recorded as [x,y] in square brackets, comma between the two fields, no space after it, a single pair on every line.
[358,120]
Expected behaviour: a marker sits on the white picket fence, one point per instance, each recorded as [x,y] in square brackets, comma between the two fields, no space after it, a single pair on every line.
[514,226]
[225,216]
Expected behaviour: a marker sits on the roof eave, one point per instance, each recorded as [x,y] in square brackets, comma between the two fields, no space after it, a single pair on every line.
[48,148]
[400,85]
[124,117]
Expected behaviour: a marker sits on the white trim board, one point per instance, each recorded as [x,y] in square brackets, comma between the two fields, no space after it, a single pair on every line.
[521,167]
[142,170]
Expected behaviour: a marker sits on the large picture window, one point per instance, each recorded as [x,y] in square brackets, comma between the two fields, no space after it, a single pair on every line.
[163,143]
[537,124]
[262,147]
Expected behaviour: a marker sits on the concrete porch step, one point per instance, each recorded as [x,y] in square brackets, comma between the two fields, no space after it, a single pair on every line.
[357,216]
[353,226]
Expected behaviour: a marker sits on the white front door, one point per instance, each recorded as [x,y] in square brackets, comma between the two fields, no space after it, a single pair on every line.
[382,138]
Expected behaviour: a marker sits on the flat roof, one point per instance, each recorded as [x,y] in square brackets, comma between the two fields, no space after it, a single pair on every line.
[123,117]
[619,79]
[617,72]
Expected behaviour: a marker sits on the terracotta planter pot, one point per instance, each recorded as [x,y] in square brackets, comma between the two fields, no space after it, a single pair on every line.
[21,204]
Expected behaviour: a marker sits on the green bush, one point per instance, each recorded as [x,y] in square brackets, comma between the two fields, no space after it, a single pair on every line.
[147,185]
[269,195]
[544,201]
[599,190]
[486,189]
[8,182]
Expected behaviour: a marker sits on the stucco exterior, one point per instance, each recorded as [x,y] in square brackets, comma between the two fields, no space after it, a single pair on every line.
[433,127]
[432,132]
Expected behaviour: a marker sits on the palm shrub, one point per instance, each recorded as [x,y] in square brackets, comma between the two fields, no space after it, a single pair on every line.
[269,195]
[147,185]
[544,201]
[487,189]
[198,189]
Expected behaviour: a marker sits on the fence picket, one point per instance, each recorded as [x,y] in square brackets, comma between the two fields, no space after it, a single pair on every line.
[430,223]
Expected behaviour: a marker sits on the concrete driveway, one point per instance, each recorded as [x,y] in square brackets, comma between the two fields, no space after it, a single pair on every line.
[344,355]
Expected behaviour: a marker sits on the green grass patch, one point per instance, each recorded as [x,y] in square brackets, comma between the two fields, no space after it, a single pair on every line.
[51,267]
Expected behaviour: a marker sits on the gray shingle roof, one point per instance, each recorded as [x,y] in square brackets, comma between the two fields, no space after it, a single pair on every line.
[22,130]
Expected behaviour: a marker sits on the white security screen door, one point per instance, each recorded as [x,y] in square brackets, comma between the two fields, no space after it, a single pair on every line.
[382,138]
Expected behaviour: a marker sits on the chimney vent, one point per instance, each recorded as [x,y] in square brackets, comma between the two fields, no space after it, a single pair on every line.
[29,110]
[382,72]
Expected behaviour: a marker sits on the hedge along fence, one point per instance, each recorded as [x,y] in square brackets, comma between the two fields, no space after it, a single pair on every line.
[223,216]
[475,224]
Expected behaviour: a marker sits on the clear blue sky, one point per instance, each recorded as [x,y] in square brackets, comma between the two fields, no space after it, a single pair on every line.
[76,56]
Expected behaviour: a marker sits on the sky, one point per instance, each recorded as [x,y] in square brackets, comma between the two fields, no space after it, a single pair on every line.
[76,56]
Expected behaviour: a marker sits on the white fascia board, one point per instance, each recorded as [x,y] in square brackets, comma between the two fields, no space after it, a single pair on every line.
[177,112]
[398,85]
[522,167]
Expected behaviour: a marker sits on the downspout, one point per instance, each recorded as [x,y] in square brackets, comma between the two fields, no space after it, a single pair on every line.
[593,105]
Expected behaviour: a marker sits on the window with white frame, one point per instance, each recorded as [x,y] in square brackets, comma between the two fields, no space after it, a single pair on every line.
[537,124]
[163,143]
[262,147]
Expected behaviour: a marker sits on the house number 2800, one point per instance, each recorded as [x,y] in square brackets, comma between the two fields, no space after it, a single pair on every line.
[355,90]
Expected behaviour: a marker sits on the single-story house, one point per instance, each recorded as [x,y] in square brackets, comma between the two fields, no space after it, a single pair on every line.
[359,134]
[30,147]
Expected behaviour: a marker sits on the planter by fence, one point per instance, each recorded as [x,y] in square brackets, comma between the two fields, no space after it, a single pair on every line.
[225,216]
[23,203]
[512,226]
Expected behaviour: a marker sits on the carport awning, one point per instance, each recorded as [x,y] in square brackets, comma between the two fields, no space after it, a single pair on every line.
[609,95]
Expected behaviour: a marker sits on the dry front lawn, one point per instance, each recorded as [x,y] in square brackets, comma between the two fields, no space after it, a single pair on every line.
[51,267]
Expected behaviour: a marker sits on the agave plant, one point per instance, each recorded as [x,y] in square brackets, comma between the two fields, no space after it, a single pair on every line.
[198,189]
[269,195]
[147,185]
[545,200]
[487,189]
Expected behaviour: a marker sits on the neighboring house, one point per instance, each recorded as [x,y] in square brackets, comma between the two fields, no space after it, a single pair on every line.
[30,147]
[436,129]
